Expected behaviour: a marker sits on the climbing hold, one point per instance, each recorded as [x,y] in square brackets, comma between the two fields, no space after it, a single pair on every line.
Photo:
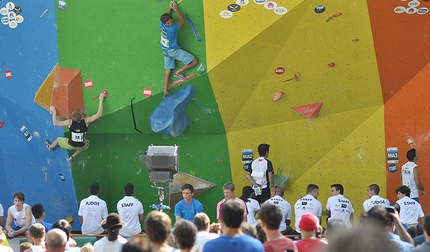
[88,84]
[280,70]
[319,9]
[1,124]
[147,92]
[61,5]
[331,64]
[310,110]
[277,96]
[105,93]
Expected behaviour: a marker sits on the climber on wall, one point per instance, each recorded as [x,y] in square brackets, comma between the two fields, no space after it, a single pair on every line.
[78,126]
[170,47]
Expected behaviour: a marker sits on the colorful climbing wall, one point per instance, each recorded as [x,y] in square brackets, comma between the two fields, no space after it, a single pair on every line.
[355,60]
[29,53]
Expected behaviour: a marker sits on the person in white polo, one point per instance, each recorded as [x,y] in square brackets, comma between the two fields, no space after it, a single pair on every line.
[374,198]
[339,207]
[308,204]
[130,210]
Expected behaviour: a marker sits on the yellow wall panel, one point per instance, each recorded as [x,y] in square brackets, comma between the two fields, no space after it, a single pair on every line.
[225,36]
[314,155]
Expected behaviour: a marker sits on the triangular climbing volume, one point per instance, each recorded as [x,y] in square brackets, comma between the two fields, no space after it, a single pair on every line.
[310,110]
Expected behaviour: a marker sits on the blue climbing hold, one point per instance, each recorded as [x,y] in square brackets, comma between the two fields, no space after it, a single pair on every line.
[170,116]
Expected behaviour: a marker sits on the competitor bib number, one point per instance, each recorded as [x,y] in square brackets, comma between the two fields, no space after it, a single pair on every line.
[78,137]
[165,42]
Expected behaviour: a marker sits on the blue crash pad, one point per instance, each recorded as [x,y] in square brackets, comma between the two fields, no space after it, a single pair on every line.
[170,115]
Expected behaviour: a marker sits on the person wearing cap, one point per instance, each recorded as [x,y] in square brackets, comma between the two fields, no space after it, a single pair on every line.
[92,211]
[260,173]
[271,216]
[113,242]
[130,209]
[308,226]
[308,204]
[374,198]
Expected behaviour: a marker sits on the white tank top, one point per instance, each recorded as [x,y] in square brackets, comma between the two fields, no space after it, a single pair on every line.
[19,217]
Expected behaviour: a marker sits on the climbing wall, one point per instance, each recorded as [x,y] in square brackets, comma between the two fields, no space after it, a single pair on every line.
[341,145]
[29,53]
[348,83]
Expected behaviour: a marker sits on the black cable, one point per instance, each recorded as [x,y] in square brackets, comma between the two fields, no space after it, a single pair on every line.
[132,114]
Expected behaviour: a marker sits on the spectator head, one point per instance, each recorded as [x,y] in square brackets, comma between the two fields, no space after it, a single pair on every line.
[165,18]
[334,228]
[228,189]
[18,195]
[63,225]
[373,189]
[24,246]
[112,224]
[185,234]
[136,244]
[77,115]
[38,211]
[56,240]
[158,226]
[188,187]
[129,189]
[313,190]
[279,191]
[94,188]
[249,229]
[336,189]
[426,225]
[361,239]
[260,232]
[263,150]
[246,193]
[379,218]
[37,231]
[403,191]
[270,216]
[232,213]
[202,222]
[308,222]
[88,247]
[411,154]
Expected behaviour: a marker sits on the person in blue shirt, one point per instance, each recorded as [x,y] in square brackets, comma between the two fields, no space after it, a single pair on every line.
[170,47]
[188,207]
[233,239]
[39,214]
